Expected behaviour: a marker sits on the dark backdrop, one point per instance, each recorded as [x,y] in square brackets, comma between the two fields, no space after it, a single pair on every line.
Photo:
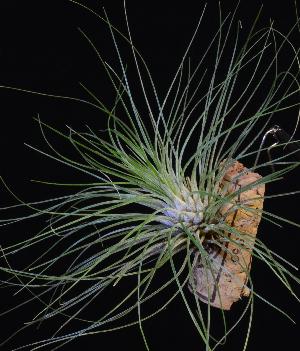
[41,49]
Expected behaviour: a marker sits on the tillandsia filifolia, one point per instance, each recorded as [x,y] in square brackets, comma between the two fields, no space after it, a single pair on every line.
[178,180]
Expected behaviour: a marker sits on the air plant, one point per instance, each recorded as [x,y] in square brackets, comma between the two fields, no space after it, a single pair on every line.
[179,183]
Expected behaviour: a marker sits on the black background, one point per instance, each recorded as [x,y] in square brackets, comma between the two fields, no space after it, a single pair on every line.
[41,49]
